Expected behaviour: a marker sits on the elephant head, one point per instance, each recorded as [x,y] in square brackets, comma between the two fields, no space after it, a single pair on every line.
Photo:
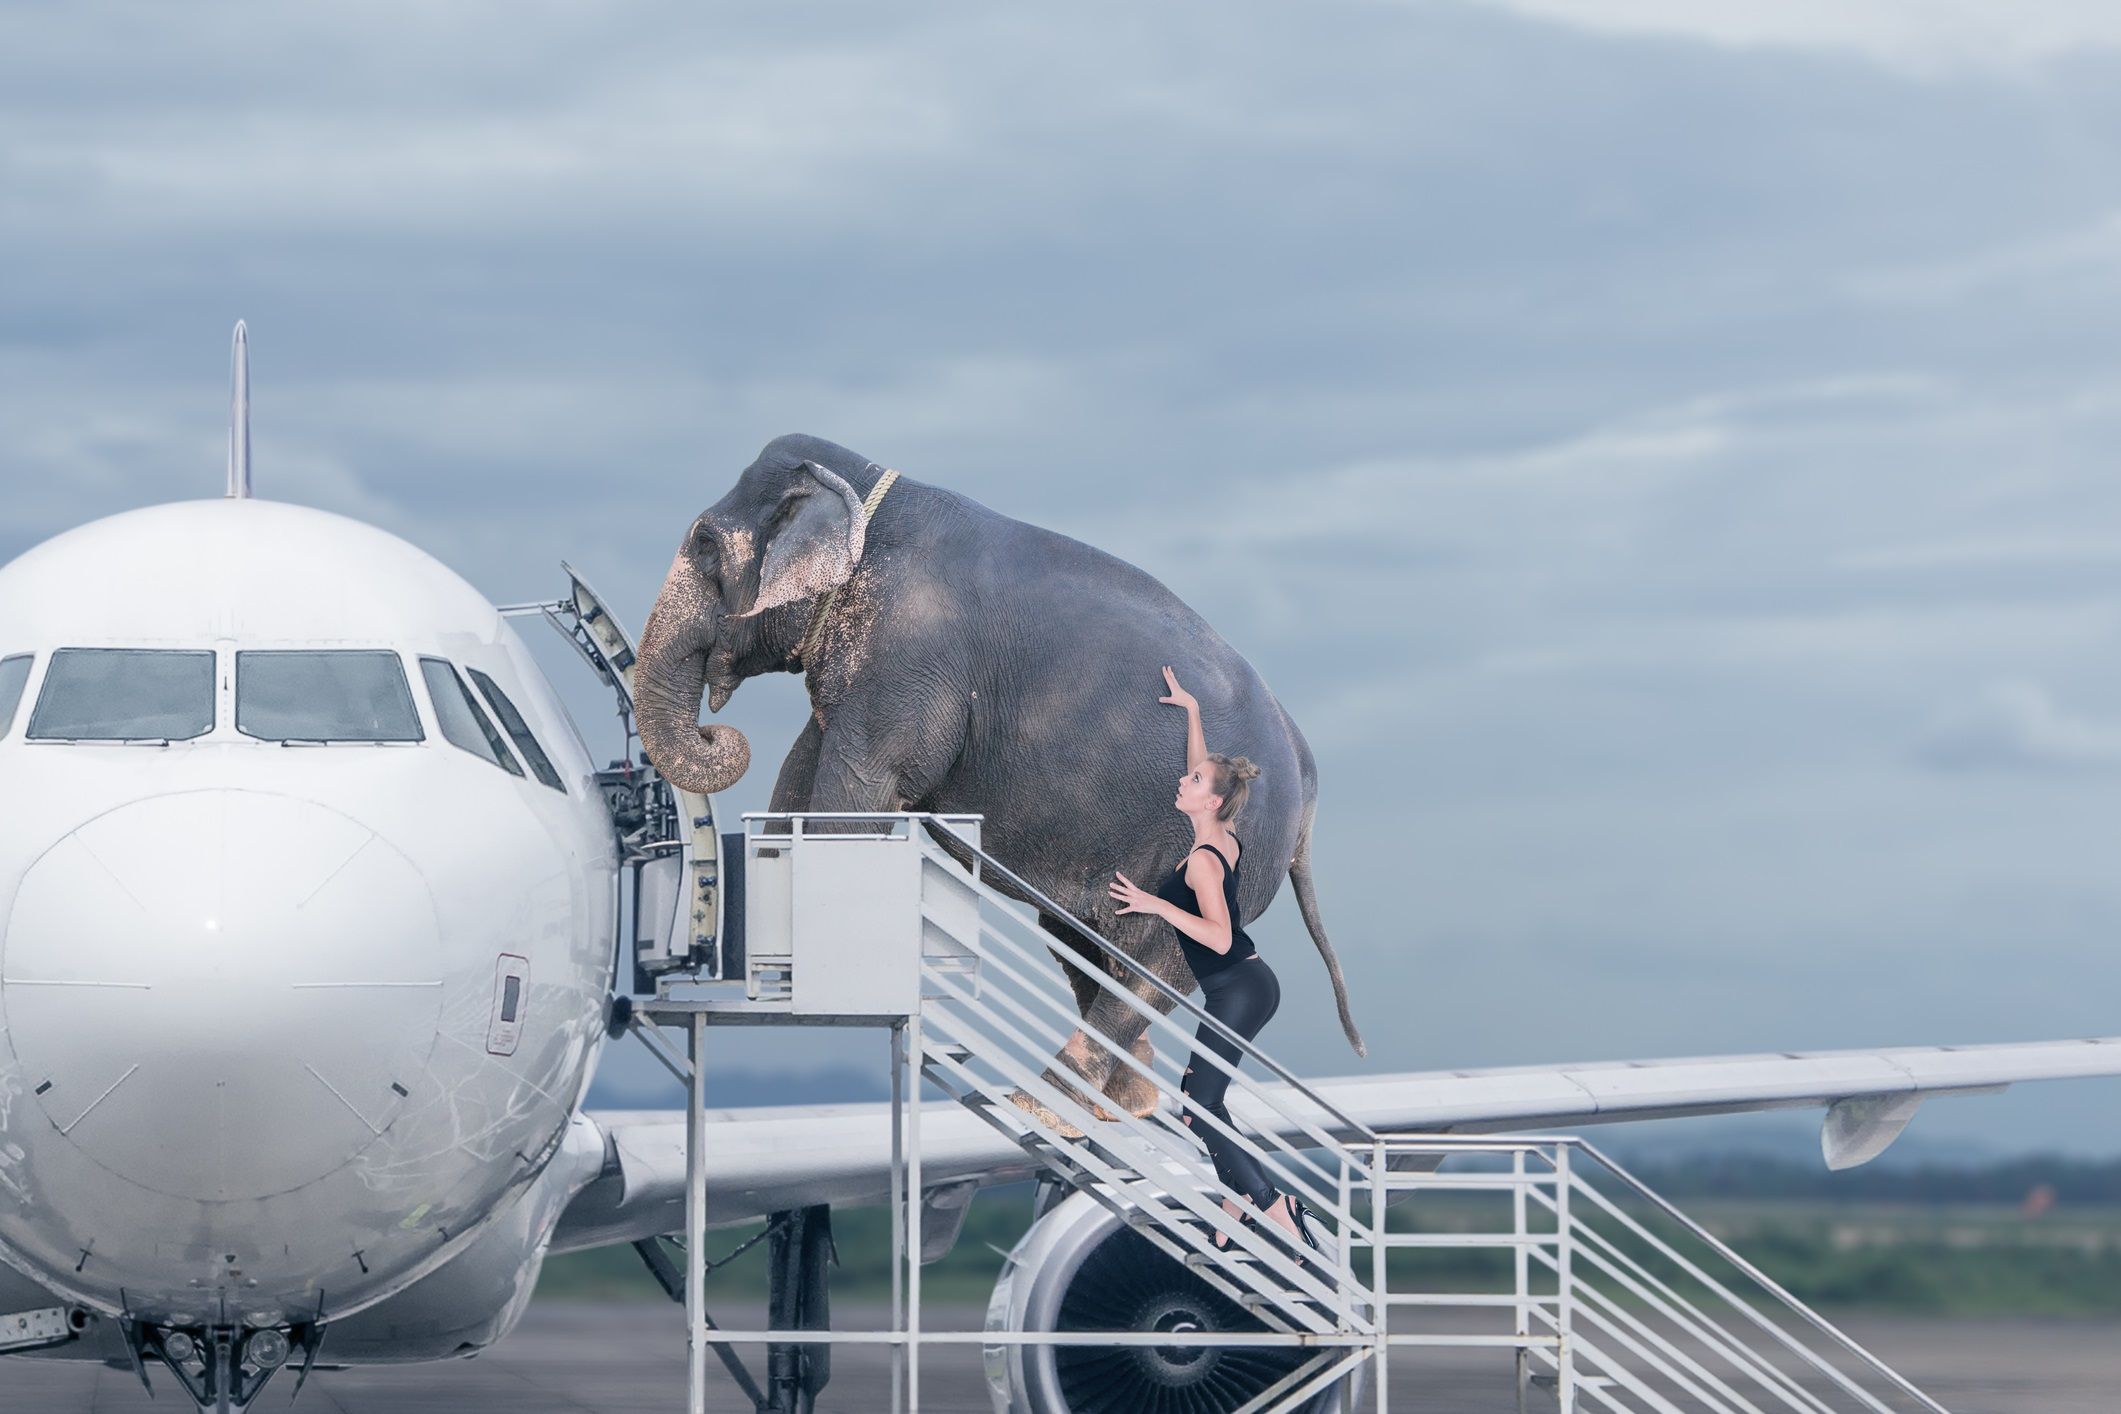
[738,600]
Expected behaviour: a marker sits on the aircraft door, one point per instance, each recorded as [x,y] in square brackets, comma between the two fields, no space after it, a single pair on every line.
[669,838]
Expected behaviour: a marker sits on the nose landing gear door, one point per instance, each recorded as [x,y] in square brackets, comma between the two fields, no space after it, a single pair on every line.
[669,839]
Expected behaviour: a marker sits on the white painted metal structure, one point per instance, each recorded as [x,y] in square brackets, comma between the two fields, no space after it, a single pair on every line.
[895,921]
[294,1035]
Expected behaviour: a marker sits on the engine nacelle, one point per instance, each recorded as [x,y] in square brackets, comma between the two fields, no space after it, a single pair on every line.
[1081,1268]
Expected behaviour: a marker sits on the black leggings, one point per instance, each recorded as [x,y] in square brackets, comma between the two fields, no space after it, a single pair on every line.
[1243,997]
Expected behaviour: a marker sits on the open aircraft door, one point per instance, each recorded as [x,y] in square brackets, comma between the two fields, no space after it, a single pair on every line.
[669,839]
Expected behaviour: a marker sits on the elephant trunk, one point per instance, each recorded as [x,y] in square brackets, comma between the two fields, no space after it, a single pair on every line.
[667,686]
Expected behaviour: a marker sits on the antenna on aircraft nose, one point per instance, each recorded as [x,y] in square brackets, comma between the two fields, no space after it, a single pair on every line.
[239,416]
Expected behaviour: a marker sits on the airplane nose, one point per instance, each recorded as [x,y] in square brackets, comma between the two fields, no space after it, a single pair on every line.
[218,994]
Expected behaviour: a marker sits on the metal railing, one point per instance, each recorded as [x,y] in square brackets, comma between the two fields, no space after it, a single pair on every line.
[1618,1300]
[1005,1030]
[1611,1300]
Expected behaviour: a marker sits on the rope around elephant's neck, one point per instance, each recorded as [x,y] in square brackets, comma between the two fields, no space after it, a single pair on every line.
[817,620]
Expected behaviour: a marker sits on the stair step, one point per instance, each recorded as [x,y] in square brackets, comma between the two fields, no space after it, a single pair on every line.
[1225,1257]
[1235,1256]
[1064,1152]
[1260,1301]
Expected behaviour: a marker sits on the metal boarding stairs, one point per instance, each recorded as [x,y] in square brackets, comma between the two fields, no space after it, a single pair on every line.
[1607,1295]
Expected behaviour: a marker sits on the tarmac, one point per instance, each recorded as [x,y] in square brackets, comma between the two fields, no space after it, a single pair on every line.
[629,1358]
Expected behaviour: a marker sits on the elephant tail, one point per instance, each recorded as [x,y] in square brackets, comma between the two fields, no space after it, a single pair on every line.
[1307,900]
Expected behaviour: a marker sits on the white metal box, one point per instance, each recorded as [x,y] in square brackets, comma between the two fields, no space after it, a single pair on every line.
[836,924]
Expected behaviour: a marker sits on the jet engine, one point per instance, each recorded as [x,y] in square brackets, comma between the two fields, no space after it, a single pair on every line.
[1081,1268]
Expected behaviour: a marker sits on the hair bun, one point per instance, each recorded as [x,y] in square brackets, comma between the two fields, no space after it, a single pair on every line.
[1244,769]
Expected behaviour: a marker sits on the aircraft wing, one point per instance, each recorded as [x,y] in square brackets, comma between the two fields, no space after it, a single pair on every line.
[764,1160]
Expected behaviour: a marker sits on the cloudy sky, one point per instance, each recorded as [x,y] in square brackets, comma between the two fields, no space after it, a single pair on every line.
[1659,450]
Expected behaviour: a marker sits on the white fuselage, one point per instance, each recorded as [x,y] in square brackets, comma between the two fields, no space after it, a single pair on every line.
[252,1046]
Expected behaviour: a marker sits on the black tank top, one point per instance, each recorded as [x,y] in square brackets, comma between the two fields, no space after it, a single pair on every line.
[1206,961]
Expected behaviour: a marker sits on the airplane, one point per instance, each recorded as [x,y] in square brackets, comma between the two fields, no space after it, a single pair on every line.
[309,892]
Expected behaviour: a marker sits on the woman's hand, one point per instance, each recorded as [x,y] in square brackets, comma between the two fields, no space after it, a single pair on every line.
[1132,899]
[1179,696]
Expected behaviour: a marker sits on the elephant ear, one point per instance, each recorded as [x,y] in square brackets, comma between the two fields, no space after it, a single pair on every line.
[813,541]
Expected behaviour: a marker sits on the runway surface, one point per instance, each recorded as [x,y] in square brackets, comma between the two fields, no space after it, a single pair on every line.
[630,1359]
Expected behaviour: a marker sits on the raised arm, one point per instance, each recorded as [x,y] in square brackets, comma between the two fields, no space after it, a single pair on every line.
[1196,744]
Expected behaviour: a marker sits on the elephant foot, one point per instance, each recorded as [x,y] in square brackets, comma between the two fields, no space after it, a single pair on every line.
[1065,1076]
[1040,1112]
[1130,1091]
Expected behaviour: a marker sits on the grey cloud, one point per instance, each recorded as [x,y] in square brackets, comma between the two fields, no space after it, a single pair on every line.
[1629,439]
[1903,34]
[2017,726]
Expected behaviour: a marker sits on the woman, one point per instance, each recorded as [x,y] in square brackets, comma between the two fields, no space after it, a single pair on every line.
[1199,899]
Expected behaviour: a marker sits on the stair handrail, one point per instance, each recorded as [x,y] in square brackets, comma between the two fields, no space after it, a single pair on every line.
[1270,1146]
[945,824]
[1587,1240]
[1301,1124]
[1114,1189]
[1760,1278]
[891,821]
[1362,1132]
[1196,1200]
[1306,1131]
[1746,1366]
[1275,1151]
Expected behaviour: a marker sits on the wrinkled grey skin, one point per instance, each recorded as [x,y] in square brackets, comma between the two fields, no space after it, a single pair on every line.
[975,663]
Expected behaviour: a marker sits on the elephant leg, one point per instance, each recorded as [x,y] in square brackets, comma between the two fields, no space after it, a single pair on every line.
[1077,964]
[1076,961]
[849,780]
[1087,1069]
[861,770]
[798,777]
[1067,1073]
[1130,1090]
[1123,1086]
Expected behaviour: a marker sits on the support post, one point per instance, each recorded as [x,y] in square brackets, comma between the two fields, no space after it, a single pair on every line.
[696,1218]
[1380,1277]
[898,1214]
[1564,1300]
[1521,1228]
[1344,1255]
[915,1048]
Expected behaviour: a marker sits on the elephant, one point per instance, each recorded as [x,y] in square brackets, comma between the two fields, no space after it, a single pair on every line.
[958,660]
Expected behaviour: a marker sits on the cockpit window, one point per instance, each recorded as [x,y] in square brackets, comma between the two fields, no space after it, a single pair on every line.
[324,695]
[14,672]
[460,718]
[518,730]
[125,694]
